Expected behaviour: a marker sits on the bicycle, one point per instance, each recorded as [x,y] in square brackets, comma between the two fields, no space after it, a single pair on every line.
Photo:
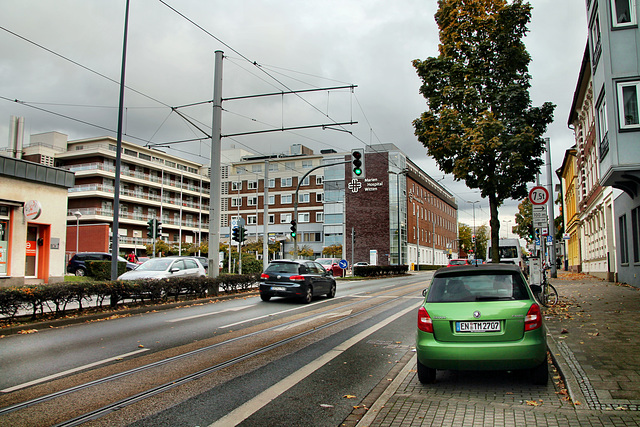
[547,295]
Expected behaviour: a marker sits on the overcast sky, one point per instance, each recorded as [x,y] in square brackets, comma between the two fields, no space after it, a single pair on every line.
[63,59]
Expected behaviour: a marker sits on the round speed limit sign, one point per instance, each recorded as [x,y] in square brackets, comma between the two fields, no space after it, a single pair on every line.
[538,195]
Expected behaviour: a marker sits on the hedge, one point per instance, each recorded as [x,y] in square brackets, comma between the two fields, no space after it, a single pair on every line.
[56,297]
[379,270]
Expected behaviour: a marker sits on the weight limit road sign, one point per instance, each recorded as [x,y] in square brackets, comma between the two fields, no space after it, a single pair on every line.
[538,195]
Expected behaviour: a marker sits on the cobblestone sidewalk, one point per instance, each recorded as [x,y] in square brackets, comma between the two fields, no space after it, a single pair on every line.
[594,341]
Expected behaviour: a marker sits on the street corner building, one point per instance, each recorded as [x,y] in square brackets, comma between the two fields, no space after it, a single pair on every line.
[33,222]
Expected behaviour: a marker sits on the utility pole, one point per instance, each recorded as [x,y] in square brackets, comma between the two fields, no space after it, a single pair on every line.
[552,223]
[215,178]
[115,235]
[265,221]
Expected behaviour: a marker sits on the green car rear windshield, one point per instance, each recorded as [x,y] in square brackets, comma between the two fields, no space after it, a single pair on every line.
[478,287]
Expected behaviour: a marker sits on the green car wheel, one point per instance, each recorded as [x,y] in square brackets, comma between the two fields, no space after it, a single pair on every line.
[426,375]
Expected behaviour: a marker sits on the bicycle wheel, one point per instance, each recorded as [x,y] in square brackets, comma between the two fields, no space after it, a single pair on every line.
[551,296]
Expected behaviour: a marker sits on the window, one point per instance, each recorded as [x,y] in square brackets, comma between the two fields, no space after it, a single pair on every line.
[319,197]
[256,168]
[272,200]
[286,199]
[333,219]
[319,180]
[274,167]
[272,219]
[236,185]
[303,216]
[303,198]
[236,202]
[319,217]
[286,182]
[596,47]
[272,183]
[623,12]
[252,185]
[628,104]
[252,219]
[635,234]
[284,218]
[603,128]
[624,244]
[252,201]
[240,170]
[305,181]
[313,237]
[307,164]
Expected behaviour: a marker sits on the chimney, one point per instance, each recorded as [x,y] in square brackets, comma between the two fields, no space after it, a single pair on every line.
[16,136]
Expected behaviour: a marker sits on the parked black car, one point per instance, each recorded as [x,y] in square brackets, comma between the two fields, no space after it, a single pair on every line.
[296,278]
[77,262]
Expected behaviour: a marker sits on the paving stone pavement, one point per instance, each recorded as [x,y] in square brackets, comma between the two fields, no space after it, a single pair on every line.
[594,345]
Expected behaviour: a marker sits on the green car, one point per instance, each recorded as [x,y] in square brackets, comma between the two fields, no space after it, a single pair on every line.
[481,317]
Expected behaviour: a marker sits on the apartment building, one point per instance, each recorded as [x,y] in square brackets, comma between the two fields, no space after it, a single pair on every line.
[588,205]
[318,186]
[615,67]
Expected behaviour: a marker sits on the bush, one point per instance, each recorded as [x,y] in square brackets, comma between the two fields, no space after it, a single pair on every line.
[58,296]
[379,270]
[101,270]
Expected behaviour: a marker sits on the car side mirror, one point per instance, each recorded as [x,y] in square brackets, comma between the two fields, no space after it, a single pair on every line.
[424,292]
[174,269]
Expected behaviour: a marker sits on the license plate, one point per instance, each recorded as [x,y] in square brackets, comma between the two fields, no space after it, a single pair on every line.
[278,288]
[493,326]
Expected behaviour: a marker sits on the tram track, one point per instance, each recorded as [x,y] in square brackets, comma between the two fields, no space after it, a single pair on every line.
[375,301]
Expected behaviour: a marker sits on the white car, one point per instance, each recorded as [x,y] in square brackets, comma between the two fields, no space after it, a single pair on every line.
[164,268]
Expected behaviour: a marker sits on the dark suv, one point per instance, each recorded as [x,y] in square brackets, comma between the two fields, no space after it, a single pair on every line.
[77,262]
[300,278]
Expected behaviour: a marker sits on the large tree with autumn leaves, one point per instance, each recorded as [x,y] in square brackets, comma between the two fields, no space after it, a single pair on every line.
[480,125]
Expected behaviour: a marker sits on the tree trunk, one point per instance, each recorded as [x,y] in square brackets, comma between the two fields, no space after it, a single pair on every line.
[494,222]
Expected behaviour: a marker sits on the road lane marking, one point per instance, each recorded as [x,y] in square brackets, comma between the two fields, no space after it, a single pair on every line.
[244,411]
[70,371]
[195,316]
[302,322]
[276,313]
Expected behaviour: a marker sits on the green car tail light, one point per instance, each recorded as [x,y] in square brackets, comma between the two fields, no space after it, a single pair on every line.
[425,323]
[533,319]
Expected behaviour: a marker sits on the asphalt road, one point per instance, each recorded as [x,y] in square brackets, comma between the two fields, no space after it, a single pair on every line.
[339,350]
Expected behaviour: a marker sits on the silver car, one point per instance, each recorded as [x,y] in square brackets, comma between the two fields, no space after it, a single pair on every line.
[164,268]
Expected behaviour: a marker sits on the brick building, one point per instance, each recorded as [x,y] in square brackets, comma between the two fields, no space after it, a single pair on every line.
[176,191]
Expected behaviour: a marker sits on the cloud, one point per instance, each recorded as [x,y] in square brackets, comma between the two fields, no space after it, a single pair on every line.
[296,44]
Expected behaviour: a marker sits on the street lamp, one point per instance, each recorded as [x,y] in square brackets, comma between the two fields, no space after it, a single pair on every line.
[77,214]
[475,252]
[402,172]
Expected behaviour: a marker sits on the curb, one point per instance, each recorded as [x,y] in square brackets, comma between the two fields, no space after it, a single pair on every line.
[374,410]
[567,374]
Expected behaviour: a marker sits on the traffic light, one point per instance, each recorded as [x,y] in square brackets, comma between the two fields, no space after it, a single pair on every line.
[151,227]
[294,228]
[531,233]
[242,234]
[357,160]
[158,229]
[236,234]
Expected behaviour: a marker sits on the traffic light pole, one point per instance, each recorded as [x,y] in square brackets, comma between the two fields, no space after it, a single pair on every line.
[295,202]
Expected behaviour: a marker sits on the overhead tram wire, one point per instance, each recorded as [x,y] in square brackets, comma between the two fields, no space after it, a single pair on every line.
[255,63]
[33,105]
[80,65]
